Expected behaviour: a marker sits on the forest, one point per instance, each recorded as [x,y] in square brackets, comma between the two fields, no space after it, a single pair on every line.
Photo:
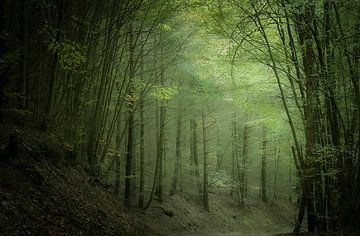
[179,117]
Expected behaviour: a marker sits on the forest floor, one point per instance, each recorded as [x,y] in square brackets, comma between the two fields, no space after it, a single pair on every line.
[225,216]
[43,192]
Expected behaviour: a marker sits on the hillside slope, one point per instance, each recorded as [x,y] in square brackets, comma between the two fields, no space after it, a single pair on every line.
[41,194]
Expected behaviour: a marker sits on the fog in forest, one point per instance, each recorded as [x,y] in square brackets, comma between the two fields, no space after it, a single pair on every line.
[170,117]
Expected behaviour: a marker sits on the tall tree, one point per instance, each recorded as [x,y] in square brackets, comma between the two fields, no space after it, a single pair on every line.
[177,164]
[130,122]
[205,169]
[264,166]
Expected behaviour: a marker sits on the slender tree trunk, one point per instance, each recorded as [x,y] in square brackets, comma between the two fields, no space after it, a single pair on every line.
[54,63]
[164,169]
[191,146]
[263,166]
[233,154]
[117,159]
[218,150]
[238,168]
[310,111]
[160,151]
[130,140]
[301,212]
[161,141]
[244,165]
[142,151]
[205,153]
[276,174]
[117,174]
[177,163]
[160,156]
[194,153]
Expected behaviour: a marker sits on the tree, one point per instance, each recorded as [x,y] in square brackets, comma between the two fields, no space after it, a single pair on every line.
[177,164]
[263,166]
[205,153]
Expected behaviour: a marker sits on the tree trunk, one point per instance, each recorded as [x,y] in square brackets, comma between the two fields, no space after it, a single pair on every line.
[205,153]
[191,151]
[117,159]
[160,151]
[130,140]
[244,166]
[310,111]
[161,137]
[238,169]
[194,153]
[142,151]
[276,171]
[177,163]
[54,64]
[263,166]
[233,155]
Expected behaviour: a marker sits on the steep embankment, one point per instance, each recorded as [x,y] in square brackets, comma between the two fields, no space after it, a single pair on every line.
[42,192]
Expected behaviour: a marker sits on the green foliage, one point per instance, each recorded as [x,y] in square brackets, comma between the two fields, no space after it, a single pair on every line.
[165,27]
[71,54]
[164,92]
